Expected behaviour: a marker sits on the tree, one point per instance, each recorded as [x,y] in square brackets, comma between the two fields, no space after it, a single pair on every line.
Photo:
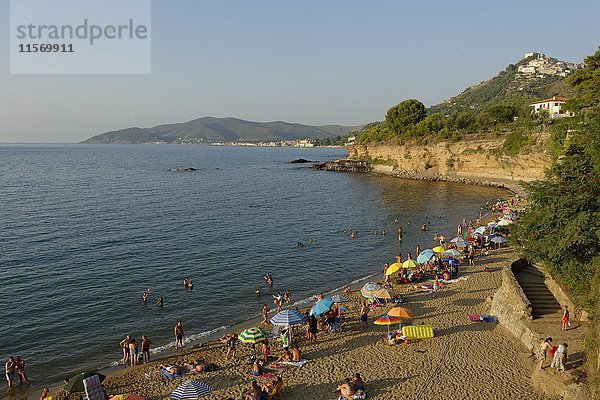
[587,85]
[405,115]
[502,113]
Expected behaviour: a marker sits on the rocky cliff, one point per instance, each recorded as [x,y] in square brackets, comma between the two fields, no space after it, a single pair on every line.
[476,157]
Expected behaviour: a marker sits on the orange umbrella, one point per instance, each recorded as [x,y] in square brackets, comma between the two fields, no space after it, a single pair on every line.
[401,312]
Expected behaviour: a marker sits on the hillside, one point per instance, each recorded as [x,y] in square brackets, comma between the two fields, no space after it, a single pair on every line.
[531,79]
[210,130]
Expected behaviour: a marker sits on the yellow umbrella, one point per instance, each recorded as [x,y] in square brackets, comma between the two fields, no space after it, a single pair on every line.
[439,249]
[401,312]
[384,293]
[393,268]
[408,264]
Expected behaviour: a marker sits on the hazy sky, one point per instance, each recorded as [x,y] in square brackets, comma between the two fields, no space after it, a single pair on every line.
[313,62]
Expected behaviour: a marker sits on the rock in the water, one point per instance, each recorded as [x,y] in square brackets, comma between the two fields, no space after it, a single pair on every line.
[300,161]
[188,169]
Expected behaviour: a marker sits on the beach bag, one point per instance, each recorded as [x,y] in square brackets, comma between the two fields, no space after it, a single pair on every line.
[553,351]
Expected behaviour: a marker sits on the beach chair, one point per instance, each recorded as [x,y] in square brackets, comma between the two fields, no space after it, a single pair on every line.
[93,388]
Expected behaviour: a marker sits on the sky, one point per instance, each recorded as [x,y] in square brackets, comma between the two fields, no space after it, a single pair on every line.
[312,62]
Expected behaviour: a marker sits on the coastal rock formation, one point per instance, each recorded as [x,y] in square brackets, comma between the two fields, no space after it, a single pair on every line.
[477,158]
[301,161]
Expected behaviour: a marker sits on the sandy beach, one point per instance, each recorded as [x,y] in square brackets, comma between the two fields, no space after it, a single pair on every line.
[464,360]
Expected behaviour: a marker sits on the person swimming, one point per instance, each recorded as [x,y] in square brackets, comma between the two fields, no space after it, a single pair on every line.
[269,279]
[160,302]
[257,291]
[186,282]
[145,297]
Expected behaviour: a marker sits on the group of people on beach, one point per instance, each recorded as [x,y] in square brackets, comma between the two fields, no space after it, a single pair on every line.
[135,353]
[18,365]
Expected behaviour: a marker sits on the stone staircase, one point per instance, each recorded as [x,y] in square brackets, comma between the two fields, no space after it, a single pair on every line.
[544,304]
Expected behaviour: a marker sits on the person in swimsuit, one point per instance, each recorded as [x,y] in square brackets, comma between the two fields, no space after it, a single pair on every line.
[364,313]
[9,368]
[20,364]
[346,389]
[287,297]
[296,353]
[133,352]
[254,392]
[146,342]
[196,366]
[285,356]
[565,318]
[265,351]
[186,282]
[45,394]
[256,368]
[171,369]
[231,346]
[160,302]
[145,297]
[543,349]
[125,346]
[178,335]
[265,314]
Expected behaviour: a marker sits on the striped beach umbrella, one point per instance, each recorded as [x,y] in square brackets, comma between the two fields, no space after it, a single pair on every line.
[322,307]
[425,256]
[288,317]
[369,288]
[253,335]
[340,298]
[386,320]
[191,390]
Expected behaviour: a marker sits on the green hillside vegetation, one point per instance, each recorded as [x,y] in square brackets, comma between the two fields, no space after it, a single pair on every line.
[562,225]
[210,129]
[499,105]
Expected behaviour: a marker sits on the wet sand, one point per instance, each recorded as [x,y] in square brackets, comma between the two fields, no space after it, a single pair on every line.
[464,360]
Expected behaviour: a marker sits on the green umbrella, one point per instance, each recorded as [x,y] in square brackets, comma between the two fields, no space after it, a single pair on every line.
[76,383]
[253,336]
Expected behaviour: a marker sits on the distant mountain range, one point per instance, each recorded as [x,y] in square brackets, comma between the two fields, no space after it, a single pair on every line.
[211,130]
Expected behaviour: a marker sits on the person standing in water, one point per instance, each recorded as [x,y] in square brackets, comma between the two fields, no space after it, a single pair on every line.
[400,233]
[179,335]
[20,364]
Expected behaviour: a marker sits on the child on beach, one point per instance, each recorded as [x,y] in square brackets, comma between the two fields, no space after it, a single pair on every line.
[544,347]
[560,358]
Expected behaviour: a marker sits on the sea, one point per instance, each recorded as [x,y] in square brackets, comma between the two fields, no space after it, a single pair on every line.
[85,230]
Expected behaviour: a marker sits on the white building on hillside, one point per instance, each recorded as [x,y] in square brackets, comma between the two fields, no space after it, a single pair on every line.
[554,107]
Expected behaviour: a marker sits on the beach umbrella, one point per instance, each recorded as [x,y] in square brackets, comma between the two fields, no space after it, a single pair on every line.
[452,253]
[504,222]
[400,312]
[439,249]
[322,307]
[393,268]
[480,230]
[425,256]
[499,240]
[384,293]
[386,320]
[340,298]
[369,288]
[288,317]
[76,383]
[408,264]
[191,390]
[459,242]
[452,261]
[253,335]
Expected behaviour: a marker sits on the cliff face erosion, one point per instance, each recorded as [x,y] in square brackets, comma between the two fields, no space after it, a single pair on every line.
[479,157]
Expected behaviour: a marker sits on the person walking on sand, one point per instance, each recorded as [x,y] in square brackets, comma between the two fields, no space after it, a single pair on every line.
[265,351]
[178,336]
[542,351]
[9,368]
[146,342]
[231,346]
[364,313]
[313,328]
[560,358]
[20,364]
[566,322]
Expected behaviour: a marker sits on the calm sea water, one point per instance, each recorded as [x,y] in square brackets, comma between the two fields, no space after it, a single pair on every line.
[85,229]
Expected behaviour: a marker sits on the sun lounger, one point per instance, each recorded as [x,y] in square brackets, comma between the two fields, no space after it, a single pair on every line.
[171,376]
[93,388]
[414,332]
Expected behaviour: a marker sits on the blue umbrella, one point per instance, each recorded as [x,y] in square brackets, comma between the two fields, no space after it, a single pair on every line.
[452,261]
[191,390]
[288,317]
[425,256]
[322,307]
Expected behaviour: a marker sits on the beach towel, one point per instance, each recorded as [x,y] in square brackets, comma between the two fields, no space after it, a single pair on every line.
[266,375]
[171,376]
[413,332]
[474,317]
[279,366]
[295,363]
